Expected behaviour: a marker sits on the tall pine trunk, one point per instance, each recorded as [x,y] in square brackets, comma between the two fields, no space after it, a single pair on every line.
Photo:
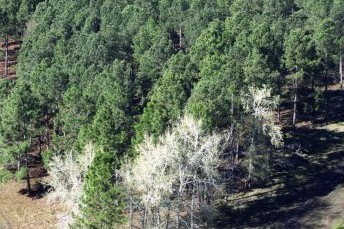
[326,71]
[158,217]
[279,92]
[28,183]
[193,204]
[143,218]
[341,69]
[295,101]
[6,55]
[131,211]
[168,216]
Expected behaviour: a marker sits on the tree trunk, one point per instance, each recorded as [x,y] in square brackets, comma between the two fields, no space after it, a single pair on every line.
[153,216]
[143,218]
[27,173]
[178,212]
[131,212]
[295,102]
[47,127]
[237,152]
[158,217]
[326,72]
[279,104]
[192,218]
[341,70]
[40,144]
[168,216]
[6,56]
[232,106]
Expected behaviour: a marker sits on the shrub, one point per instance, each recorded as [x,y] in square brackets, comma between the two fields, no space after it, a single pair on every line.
[5,175]
[21,174]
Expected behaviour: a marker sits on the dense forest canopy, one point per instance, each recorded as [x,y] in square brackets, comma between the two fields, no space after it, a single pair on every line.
[112,73]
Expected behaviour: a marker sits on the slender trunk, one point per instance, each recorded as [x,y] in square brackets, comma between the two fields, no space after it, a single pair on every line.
[237,152]
[341,70]
[40,144]
[153,216]
[131,212]
[326,82]
[6,55]
[168,216]
[295,102]
[178,212]
[179,195]
[326,71]
[27,173]
[203,202]
[47,127]
[251,152]
[248,181]
[192,223]
[279,104]
[143,218]
[158,217]
[232,107]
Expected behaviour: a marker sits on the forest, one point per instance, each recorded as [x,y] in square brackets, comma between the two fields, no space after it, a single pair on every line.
[159,113]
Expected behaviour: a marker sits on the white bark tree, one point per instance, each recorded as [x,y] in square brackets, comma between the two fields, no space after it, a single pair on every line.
[67,175]
[260,103]
[169,174]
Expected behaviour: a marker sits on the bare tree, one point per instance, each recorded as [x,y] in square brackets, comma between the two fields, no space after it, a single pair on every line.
[166,178]
[260,103]
[67,173]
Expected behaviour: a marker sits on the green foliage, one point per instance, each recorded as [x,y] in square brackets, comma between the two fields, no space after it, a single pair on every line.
[319,100]
[102,205]
[21,174]
[168,98]
[109,72]
[47,157]
[339,226]
[5,175]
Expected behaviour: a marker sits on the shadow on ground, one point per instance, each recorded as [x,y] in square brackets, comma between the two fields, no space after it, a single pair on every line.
[308,178]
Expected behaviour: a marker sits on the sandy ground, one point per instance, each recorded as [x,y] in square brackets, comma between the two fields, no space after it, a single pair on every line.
[20,211]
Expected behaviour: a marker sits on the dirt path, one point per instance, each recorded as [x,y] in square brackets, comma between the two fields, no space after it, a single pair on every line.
[20,211]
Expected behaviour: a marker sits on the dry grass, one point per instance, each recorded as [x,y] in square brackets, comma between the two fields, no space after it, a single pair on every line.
[334,127]
[20,211]
[330,212]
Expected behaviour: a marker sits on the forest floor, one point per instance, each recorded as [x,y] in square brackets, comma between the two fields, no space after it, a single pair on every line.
[20,211]
[308,191]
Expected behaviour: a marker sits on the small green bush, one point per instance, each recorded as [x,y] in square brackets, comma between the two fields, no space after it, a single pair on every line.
[340,226]
[5,175]
[319,100]
[21,174]
[46,156]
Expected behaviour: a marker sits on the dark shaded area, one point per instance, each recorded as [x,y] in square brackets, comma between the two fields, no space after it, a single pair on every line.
[313,168]
[38,190]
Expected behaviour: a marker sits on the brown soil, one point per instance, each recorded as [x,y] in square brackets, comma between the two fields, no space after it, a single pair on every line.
[20,211]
